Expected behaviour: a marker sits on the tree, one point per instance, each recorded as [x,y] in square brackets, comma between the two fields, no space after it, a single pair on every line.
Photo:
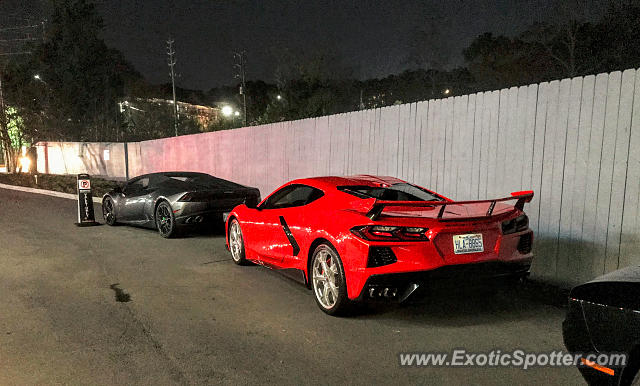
[85,78]
[429,52]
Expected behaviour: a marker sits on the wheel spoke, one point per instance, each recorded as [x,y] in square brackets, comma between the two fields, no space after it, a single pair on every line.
[323,261]
[320,278]
[334,289]
[325,293]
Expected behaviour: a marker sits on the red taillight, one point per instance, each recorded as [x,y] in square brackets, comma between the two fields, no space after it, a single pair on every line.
[390,233]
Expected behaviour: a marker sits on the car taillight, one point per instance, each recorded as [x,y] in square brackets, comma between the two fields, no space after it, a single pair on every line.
[517,224]
[390,233]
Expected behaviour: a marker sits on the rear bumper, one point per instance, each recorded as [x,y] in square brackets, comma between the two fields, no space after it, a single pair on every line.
[195,213]
[435,260]
[402,285]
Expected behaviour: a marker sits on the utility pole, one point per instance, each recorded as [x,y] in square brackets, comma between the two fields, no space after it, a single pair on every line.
[240,66]
[172,62]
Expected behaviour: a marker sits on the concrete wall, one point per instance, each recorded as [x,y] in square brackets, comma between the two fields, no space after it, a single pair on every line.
[82,157]
[575,142]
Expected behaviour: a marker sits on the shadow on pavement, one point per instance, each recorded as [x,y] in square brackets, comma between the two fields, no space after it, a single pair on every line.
[472,305]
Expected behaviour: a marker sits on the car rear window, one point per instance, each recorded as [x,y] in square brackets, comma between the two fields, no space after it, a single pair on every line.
[395,192]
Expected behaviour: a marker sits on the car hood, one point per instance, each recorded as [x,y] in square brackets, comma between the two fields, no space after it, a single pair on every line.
[628,274]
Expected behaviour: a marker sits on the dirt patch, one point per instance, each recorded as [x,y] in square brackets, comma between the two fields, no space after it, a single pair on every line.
[121,296]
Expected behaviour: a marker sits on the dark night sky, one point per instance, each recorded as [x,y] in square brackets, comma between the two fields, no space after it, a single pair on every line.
[372,38]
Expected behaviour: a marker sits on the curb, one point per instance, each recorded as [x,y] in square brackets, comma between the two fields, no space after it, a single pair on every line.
[47,192]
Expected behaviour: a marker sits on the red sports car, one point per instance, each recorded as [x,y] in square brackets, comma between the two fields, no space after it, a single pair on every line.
[362,237]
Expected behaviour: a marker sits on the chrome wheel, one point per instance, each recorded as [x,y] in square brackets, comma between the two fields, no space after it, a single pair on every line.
[326,277]
[235,241]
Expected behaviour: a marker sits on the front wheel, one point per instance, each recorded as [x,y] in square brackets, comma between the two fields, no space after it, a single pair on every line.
[328,281]
[165,221]
[236,243]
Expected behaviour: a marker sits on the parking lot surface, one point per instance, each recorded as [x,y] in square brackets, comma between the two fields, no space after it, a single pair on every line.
[120,305]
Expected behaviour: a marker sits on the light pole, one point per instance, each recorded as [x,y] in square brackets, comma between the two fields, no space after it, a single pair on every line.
[241,65]
[172,62]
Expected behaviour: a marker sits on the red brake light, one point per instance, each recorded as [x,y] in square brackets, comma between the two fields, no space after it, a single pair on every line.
[390,233]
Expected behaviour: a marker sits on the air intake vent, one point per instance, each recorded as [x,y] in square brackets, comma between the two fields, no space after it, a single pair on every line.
[524,244]
[379,256]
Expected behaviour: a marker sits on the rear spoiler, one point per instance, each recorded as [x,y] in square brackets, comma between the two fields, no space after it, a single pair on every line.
[521,197]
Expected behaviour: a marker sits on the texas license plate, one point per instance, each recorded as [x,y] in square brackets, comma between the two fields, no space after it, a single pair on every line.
[470,243]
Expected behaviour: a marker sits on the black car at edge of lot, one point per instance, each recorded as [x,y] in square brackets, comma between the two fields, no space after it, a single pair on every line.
[604,317]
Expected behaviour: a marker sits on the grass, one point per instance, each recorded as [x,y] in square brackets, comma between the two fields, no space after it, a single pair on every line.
[58,183]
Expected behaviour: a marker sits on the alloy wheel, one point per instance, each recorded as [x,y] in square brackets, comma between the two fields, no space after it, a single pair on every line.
[326,277]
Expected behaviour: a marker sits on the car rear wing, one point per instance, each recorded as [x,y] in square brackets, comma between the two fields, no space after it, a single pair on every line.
[521,197]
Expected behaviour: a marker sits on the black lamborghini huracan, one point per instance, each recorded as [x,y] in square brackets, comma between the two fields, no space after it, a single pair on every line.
[172,200]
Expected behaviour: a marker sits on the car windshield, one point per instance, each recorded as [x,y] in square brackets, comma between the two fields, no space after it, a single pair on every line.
[396,192]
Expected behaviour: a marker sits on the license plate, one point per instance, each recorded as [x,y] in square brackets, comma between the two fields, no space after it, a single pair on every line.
[225,215]
[470,243]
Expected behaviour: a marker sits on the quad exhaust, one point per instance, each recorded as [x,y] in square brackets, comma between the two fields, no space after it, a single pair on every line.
[390,292]
[194,220]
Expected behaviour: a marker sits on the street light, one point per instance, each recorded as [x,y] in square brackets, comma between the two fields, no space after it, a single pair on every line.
[447,91]
[237,113]
[37,77]
[279,97]
[227,111]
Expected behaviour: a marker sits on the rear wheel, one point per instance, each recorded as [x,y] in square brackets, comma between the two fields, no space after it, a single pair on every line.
[165,221]
[236,243]
[108,211]
[328,280]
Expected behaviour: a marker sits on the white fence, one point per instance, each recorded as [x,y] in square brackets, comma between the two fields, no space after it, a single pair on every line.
[575,142]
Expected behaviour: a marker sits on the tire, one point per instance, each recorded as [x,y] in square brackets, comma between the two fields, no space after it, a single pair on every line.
[165,220]
[236,243]
[328,281]
[636,379]
[109,211]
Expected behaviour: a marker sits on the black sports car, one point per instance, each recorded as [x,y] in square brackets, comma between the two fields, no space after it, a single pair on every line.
[604,317]
[172,200]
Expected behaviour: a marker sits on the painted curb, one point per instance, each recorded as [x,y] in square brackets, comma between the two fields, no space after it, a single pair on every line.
[47,192]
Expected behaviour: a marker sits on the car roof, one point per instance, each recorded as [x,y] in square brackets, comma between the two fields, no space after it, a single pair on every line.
[329,182]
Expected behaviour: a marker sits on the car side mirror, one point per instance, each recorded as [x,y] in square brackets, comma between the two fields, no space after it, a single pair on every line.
[251,202]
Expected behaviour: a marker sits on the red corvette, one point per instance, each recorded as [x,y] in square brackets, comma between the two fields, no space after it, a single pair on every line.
[362,237]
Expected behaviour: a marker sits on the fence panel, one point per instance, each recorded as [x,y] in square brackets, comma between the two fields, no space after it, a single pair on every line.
[575,142]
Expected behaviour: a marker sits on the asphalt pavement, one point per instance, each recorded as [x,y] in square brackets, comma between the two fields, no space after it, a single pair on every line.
[121,305]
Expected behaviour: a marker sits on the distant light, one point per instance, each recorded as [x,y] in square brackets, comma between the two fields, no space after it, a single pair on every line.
[279,97]
[447,92]
[25,164]
[37,77]
[237,113]
[227,111]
